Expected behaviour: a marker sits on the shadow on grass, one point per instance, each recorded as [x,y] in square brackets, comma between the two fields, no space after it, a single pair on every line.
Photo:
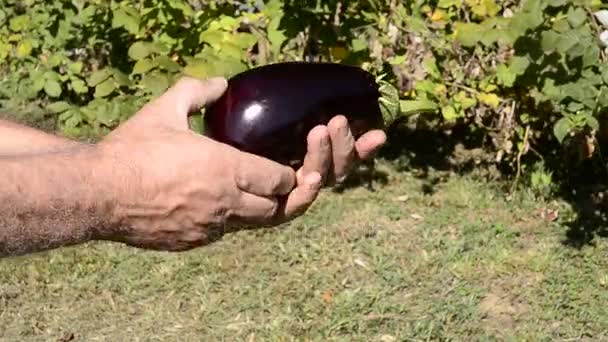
[427,153]
[433,155]
[591,222]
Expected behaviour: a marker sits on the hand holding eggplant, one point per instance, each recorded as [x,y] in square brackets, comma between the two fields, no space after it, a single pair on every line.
[174,189]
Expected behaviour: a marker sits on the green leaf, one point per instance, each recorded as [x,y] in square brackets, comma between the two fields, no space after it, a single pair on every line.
[414,106]
[5,49]
[73,120]
[561,129]
[20,23]
[138,50]
[449,3]
[604,71]
[38,82]
[561,25]
[603,98]
[58,107]
[52,88]
[591,55]
[358,45]
[109,116]
[518,65]
[213,37]
[467,33]
[449,113]
[581,91]
[505,76]
[575,106]
[24,48]
[485,8]
[56,59]
[184,6]
[143,66]
[491,36]
[105,88]
[76,67]
[227,23]
[592,122]
[230,50]
[463,99]
[126,19]
[557,3]
[522,22]
[551,91]
[549,40]
[155,83]
[99,76]
[490,99]
[120,78]
[168,64]
[566,41]
[576,17]
[430,66]
[197,68]
[398,60]
[79,86]
[276,37]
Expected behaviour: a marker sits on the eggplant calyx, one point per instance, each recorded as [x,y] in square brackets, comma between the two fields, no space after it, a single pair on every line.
[389,100]
[393,108]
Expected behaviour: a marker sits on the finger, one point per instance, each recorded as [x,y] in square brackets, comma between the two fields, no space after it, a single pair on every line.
[318,155]
[263,177]
[255,209]
[343,146]
[189,95]
[301,198]
[369,143]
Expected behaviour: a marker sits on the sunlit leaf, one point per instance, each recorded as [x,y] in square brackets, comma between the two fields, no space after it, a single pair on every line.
[105,88]
[52,88]
[561,129]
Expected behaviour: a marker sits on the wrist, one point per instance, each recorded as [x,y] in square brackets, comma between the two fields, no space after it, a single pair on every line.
[98,194]
[117,180]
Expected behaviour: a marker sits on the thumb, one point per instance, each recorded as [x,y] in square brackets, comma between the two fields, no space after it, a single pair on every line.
[188,95]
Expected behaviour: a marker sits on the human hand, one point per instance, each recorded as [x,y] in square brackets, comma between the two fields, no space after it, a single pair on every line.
[333,151]
[176,190]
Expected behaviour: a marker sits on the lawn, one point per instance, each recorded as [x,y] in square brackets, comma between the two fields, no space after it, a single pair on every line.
[433,256]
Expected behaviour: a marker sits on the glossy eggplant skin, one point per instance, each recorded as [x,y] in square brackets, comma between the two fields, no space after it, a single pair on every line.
[269,110]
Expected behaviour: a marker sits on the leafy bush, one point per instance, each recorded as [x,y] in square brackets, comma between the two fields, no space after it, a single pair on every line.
[528,74]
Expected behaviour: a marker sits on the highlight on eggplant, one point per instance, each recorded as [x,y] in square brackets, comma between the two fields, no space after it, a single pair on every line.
[269,110]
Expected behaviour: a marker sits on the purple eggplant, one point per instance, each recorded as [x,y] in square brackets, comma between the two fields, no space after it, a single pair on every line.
[269,110]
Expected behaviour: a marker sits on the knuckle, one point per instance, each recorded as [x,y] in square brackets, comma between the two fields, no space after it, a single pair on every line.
[241,181]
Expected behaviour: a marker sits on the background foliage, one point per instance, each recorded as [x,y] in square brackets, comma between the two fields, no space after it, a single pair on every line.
[525,77]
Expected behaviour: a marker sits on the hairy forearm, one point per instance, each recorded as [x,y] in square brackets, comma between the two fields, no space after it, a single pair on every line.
[17,139]
[52,200]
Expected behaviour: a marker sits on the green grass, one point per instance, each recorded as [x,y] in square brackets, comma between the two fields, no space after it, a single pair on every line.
[398,264]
